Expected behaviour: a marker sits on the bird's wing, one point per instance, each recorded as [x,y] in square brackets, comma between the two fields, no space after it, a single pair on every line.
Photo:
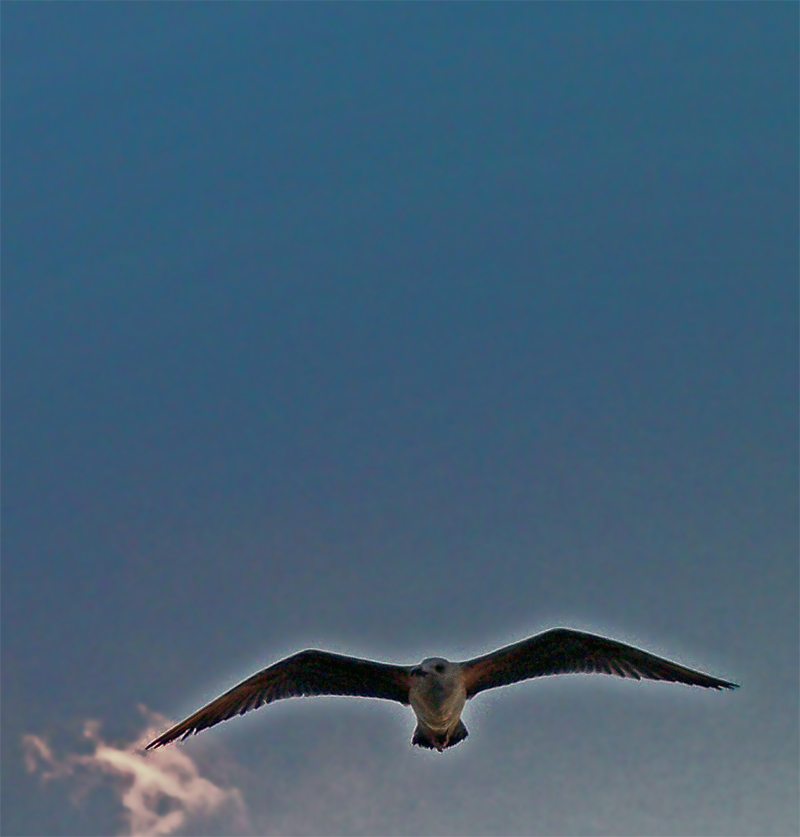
[306,673]
[562,651]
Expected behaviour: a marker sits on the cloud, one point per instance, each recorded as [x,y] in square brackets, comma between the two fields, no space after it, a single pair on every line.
[161,793]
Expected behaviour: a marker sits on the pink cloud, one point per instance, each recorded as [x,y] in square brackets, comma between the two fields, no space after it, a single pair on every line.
[160,793]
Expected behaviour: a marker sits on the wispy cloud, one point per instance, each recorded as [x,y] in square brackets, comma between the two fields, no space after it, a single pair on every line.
[160,793]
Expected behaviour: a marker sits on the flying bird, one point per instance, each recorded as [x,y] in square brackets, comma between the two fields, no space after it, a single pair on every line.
[437,689]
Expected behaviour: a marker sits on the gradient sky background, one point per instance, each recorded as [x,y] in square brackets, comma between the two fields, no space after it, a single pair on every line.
[403,330]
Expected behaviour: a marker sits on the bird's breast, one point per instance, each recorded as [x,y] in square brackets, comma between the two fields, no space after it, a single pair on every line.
[436,703]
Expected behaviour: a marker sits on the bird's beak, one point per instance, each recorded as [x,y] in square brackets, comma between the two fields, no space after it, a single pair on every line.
[418,672]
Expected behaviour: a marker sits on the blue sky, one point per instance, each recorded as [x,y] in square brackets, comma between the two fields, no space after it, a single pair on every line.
[402,330]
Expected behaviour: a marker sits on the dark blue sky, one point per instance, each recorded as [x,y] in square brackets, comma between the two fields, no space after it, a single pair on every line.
[403,329]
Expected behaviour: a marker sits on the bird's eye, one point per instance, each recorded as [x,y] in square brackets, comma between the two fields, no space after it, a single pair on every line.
[439,668]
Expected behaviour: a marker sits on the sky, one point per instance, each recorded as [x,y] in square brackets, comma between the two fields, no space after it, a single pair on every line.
[398,330]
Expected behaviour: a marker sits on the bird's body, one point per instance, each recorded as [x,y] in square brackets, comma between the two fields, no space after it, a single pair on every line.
[437,689]
[437,695]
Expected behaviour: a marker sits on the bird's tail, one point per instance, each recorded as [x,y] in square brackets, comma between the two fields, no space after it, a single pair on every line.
[439,741]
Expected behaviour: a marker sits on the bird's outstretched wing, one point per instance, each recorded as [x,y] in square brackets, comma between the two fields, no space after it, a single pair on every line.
[306,673]
[563,651]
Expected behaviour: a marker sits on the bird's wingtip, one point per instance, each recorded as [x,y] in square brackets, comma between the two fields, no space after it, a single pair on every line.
[725,684]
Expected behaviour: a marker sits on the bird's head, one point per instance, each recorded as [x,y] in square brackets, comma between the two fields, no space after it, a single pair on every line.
[436,668]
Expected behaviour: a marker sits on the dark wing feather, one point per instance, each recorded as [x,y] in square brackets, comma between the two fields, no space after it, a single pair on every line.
[306,673]
[563,651]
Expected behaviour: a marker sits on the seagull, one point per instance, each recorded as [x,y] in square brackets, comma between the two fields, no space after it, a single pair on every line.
[437,689]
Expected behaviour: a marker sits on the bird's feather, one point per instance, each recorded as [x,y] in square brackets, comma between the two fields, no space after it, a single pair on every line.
[305,673]
[564,651]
